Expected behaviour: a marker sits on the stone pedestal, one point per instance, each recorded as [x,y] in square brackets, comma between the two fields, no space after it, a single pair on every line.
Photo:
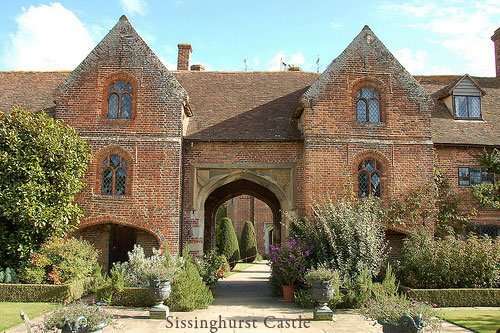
[323,313]
[159,312]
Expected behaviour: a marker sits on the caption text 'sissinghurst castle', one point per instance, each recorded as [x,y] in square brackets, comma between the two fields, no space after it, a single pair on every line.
[169,147]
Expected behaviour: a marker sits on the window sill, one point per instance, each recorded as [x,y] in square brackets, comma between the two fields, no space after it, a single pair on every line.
[111,197]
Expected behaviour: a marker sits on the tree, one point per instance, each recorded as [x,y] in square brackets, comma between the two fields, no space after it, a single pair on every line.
[42,164]
[227,242]
[248,243]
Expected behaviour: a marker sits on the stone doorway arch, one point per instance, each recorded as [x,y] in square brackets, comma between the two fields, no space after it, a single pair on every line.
[214,185]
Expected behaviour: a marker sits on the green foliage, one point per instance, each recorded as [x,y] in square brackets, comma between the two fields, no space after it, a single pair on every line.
[94,315]
[491,160]
[8,275]
[321,274]
[61,260]
[140,270]
[220,214]
[42,165]
[302,297]
[396,310]
[450,262]
[457,296]
[248,243]
[63,293]
[212,267]
[348,236]
[453,216]
[358,289]
[189,292]
[129,296]
[488,195]
[227,242]
[106,286]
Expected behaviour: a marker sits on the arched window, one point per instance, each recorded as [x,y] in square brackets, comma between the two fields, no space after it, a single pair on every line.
[369,179]
[114,175]
[120,100]
[368,106]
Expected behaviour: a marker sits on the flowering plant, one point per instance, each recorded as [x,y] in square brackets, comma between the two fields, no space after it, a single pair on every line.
[288,262]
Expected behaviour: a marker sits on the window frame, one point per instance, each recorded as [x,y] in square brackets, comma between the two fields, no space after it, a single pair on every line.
[106,165]
[112,90]
[482,171]
[377,169]
[455,113]
[366,101]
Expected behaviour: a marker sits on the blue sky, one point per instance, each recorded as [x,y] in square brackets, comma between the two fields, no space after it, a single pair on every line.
[428,37]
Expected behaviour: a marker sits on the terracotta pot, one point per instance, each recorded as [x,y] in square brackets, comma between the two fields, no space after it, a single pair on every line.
[288,292]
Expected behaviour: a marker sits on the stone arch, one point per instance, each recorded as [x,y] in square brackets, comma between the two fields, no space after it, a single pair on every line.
[224,187]
[385,170]
[114,240]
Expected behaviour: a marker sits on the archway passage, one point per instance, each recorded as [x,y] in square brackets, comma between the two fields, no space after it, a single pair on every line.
[114,241]
[235,189]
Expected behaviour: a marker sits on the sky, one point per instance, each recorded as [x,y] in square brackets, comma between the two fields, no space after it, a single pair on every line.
[427,37]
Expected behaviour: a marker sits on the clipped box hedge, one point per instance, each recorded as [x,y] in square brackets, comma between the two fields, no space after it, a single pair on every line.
[135,297]
[456,297]
[64,293]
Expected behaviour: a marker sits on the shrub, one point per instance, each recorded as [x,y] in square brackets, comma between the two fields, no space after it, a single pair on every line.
[321,274]
[105,287]
[212,267]
[303,298]
[64,293]
[398,310]
[139,270]
[288,262]
[61,260]
[456,297]
[348,236]
[227,242]
[357,289]
[488,195]
[8,275]
[248,243]
[450,262]
[188,290]
[42,165]
[94,315]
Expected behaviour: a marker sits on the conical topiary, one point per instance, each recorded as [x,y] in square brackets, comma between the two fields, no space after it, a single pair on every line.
[248,243]
[227,242]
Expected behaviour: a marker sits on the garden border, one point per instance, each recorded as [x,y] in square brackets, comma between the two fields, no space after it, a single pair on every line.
[63,293]
[456,297]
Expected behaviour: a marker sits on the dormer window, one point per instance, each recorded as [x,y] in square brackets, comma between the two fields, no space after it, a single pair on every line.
[467,107]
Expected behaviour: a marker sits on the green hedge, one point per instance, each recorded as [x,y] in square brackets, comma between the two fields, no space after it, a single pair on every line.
[456,297]
[64,293]
[135,297]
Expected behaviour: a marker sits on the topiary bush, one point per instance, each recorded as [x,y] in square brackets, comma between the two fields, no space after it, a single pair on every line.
[248,243]
[450,262]
[189,292]
[227,242]
[61,260]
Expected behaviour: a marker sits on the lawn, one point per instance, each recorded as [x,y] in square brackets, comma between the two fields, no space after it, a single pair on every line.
[10,312]
[478,320]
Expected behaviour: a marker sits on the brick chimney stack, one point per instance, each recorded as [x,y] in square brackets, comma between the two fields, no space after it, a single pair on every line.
[496,40]
[183,56]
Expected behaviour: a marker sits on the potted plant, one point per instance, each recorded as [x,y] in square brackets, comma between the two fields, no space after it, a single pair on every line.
[397,314]
[322,282]
[78,318]
[288,266]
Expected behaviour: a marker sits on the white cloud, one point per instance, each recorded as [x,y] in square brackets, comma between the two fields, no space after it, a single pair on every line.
[48,37]
[414,62]
[134,6]
[462,28]
[275,64]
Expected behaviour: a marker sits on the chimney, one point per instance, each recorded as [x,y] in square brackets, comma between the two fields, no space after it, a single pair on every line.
[496,41]
[197,68]
[294,68]
[183,57]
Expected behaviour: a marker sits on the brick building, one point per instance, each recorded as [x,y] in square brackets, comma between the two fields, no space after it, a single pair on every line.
[169,147]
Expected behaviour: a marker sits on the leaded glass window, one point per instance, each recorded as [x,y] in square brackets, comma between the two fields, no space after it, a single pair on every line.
[368,106]
[120,100]
[467,107]
[369,179]
[114,176]
[474,176]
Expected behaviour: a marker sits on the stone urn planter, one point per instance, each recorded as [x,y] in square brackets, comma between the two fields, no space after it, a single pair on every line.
[80,326]
[408,324]
[322,292]
[160,291]
[288,291]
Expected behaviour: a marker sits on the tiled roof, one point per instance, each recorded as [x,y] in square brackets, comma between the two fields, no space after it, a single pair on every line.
[244,105]
[31,90]
[447,130]
[260,105]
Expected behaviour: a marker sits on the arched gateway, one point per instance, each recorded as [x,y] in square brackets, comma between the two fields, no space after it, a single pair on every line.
[214,186]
